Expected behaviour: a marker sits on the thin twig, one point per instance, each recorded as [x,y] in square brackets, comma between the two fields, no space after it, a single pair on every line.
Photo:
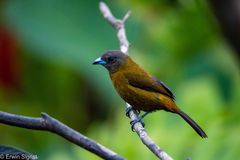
[118,24]
[47,123]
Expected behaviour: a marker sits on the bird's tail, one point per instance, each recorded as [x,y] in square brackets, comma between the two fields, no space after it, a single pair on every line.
[193,124]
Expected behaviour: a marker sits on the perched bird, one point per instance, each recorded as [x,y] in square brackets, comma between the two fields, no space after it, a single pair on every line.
[141,90]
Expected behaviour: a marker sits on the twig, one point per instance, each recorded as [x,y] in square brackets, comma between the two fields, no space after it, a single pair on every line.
[118,24]
[47,123]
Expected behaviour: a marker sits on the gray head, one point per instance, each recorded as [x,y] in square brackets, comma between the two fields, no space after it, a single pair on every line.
[112,60]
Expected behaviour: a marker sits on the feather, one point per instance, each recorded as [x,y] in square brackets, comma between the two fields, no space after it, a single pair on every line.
[148,83]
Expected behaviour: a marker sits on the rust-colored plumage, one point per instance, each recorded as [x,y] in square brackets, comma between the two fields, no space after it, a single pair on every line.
[138,88]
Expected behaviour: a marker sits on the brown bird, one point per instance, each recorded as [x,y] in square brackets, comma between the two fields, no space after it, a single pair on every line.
[141,90]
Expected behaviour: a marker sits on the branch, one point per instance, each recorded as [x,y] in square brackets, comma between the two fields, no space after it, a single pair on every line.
[118,24]
[47,123]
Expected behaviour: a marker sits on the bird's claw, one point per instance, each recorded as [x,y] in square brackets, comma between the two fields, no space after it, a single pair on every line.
[133,122]
[128,109]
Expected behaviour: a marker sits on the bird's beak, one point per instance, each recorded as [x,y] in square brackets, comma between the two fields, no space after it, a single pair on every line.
[99,61]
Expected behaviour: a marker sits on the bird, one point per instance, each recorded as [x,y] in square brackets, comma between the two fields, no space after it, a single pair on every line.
[141,90]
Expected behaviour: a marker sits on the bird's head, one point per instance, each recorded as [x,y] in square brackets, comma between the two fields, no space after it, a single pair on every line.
[112,60]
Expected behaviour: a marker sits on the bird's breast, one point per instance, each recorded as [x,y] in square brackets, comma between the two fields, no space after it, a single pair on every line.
[120,82]
[138,98]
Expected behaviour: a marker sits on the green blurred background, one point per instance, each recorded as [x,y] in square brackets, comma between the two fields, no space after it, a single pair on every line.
[47,50]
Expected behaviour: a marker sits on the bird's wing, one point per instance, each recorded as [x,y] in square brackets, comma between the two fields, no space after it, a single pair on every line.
[165,87]
[149,83]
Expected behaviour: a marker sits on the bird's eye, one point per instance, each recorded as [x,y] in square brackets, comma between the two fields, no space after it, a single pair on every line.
[110,59]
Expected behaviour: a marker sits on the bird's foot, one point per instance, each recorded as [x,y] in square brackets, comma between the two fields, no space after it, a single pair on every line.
[133,122]
[128,109]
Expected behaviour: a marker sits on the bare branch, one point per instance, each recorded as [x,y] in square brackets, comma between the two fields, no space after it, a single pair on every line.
[118,24]
[47,123]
